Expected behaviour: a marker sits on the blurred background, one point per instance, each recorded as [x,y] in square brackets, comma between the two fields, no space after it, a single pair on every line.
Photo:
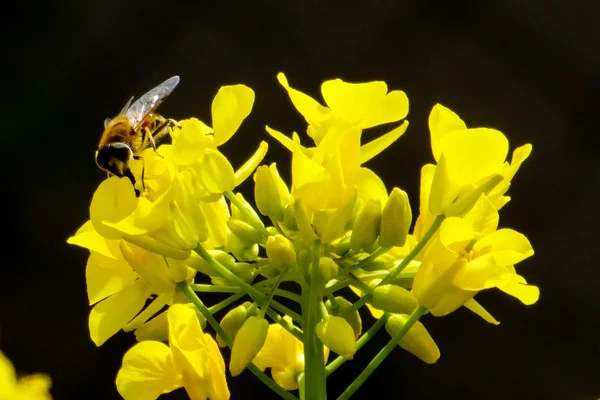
[528,68]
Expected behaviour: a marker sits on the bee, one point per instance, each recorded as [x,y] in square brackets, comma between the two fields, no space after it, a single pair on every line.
[136,128]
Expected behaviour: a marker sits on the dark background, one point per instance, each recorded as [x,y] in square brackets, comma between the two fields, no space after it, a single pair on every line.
[528,68]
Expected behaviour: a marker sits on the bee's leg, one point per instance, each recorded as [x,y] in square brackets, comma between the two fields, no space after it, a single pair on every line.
[158,131]
[129,174]
[143,170]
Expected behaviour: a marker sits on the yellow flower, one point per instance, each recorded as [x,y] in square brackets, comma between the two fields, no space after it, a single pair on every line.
[470,255]
[120,278]
[31,387]
[284,354]
[192,360]
[363,105]
[467,161]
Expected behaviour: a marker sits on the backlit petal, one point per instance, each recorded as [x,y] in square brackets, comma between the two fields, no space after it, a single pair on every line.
[147,372]
[113,313]
[231,106]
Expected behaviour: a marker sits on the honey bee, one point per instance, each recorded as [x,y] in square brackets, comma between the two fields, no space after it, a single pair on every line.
[136,128]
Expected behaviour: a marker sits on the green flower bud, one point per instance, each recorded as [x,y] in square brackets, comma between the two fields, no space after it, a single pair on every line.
[240,250]
[249,215]
[233,321]
[396,218]
[394,299]
[383,262]
[416,341]
[337,334]
[280,251]
[289,219]
[353,318]
[342,247]
[266,194]
[248,342]
[366,225]
[244,231]
[328,268]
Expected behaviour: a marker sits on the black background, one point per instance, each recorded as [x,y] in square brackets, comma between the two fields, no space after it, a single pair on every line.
[528,68]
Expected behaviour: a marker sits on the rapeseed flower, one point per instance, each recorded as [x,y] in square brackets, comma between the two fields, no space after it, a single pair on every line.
[468,256]
[191,360]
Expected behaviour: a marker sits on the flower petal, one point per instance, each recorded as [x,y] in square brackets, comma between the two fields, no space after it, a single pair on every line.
[441,122]
[231,106]
[474,154]
[313,112]
[507,246]
[113,313]
[88,238]
[376,146]
[106,276]
[147,372]
[113,201]
[364,104]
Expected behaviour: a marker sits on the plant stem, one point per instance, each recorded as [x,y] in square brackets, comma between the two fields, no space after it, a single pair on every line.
[253,292]
[191,295]
[314,365]
[383,353]
[394,272]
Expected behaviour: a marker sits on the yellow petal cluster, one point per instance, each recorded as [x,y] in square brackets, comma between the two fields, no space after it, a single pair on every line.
[328,179]
[468,256]
[192,360]
[30,387]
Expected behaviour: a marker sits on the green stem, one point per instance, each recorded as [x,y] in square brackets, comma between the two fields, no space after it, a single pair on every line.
[253,292]
[206,288]
[225,303]
[378,359]
[364,339]
[337,286]
[191,295]
[270,296]
[314,365]
[394,272]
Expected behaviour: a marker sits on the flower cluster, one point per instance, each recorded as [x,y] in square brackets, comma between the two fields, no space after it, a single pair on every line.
[334,226]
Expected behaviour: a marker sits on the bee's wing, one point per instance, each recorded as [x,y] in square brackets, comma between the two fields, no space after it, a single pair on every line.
[143,106]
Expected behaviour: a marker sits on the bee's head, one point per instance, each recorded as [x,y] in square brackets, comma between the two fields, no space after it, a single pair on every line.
[114,158]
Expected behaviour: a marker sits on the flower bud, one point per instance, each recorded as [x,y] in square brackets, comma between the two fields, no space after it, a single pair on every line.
[337,334]
[396,218]
[416,341]
[289,219]
[366,225]
[266,194]
[382,262]
[247,214]
[328,268]
[280,252]
[394,299]
[233,321]
[244,231]
[353,318]
[240,250]
[248,342]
